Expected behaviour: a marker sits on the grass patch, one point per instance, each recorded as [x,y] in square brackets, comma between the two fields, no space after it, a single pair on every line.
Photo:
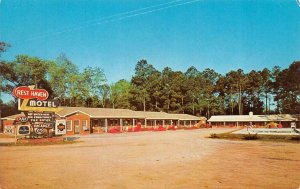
[214,135]
[260,137]
[282,159]
[295,138]
[39,144]
[6,136]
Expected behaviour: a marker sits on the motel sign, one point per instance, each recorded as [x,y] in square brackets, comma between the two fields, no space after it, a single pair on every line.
[25,92]
[44,103]
[30,99]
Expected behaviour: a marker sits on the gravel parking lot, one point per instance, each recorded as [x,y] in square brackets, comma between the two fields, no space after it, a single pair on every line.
[171,159]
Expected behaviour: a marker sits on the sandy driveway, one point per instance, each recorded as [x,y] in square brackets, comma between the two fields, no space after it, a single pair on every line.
[172,159]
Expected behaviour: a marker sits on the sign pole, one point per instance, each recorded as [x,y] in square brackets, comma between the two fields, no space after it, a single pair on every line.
[16,134]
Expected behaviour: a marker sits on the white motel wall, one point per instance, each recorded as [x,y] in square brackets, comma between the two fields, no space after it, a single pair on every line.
[255,120]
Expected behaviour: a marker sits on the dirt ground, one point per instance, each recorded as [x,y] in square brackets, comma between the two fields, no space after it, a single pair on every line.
[171,159]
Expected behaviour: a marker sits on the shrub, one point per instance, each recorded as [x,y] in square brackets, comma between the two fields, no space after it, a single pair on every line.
[250,137]
[115,129]
[295,138]
[172,127]
[190,128]
[160,128]
[272,125]
[214,135]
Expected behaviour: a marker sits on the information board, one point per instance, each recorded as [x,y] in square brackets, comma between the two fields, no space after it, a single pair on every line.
[9,129]
[41,119]
[23,130]
[60,127]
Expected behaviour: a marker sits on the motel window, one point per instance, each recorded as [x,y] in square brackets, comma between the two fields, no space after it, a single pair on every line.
[167,122]
[102,123]
[76,122]
[96,123]
[69,125]
[76,126]
[114,122]
[84,125]
[127,122]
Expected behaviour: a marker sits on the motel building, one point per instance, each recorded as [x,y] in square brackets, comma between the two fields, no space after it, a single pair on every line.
[277,121]
[82,121]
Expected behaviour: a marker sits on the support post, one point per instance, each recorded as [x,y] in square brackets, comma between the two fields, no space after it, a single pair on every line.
[121,124]
[90,127]
[106,125]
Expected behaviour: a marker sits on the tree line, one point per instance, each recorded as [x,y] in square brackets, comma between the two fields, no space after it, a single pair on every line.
[195,92]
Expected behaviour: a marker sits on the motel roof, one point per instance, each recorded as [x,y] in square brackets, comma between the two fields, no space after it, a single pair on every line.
[253,118]
[167,116]
[187,117]
[123,113]
[99,112]
[118,113]
[154,115]
[12,117]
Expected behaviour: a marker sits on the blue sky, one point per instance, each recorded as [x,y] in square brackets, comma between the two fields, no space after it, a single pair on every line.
[220,34]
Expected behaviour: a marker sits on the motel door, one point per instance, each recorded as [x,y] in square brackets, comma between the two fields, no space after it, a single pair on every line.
[76,127]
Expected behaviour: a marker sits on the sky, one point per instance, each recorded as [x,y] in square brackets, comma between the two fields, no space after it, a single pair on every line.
[114,35]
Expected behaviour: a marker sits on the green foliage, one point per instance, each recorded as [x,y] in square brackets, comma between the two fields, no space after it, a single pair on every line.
[139,93]
[73,88]
[3,47]
[194,92]
[95,87]
[119,95]
[25,70]
[8,108]
[262,137]
[287,89]
[60,73]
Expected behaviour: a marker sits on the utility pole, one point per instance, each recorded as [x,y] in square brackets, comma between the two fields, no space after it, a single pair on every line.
[1,129]
[144,100]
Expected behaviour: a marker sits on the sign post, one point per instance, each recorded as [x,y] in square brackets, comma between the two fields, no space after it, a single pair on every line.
[16,134]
